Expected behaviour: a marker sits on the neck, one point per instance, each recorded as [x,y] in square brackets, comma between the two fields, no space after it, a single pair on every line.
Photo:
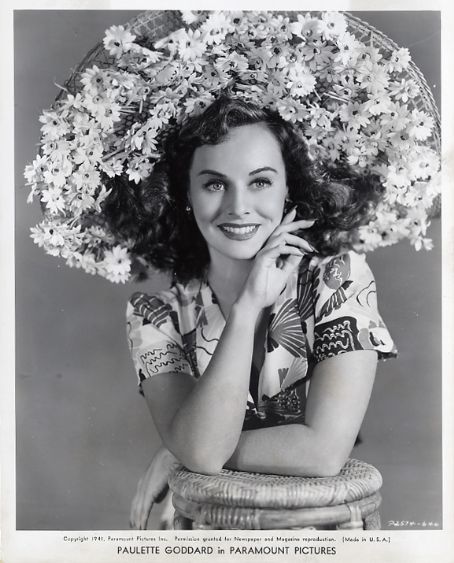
[227,278]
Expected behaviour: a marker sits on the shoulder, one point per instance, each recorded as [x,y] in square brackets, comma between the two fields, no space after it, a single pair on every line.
[155,331]
[345,308]
[161,307]
[334,271]
[340,282]
[149,306]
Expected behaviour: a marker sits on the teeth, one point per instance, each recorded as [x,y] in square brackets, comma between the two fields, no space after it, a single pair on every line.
[240,230]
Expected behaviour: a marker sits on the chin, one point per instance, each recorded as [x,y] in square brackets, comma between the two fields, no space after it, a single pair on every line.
[240,250]
[240,255]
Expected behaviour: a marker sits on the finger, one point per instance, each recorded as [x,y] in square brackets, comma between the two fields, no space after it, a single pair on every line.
[152,490]
[145,510]
[296,240]
[142,501]
[291,264]
[133,517]
[139,507]
[136,511]
[291,240]
[288,262]
[286,227]
[271,254]
[300,224]
[139,513]
[147,516]
[145,506]
[289,217]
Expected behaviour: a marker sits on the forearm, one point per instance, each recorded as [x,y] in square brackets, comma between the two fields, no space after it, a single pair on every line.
[292,449]
[205,430]
[336,404]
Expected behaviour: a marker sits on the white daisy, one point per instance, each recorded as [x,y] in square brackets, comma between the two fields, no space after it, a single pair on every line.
[118,40]
[117,263]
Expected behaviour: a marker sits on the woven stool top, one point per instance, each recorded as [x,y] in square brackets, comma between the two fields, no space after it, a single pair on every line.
[356,480]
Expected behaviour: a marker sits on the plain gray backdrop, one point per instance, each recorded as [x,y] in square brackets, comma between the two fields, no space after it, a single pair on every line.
[84,435]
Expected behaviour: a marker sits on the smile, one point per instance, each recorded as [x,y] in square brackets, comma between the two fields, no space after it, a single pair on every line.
[238,232]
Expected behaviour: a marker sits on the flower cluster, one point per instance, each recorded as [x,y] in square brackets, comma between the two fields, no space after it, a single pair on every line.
[352,100]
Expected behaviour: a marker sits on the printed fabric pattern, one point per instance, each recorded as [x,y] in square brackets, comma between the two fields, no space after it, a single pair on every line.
[327,308]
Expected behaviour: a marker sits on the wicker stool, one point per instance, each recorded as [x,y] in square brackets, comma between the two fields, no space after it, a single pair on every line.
[253,501]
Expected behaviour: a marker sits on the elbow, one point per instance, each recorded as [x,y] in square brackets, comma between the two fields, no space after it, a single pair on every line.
[203,464]
[203,458]
[325,461]
[207,468]
[329,468]
[331,452]
[330,462]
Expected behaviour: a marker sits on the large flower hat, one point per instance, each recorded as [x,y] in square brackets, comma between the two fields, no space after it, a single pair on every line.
[355,96]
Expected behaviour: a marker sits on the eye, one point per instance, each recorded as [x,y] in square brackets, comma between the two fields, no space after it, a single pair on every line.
[261,183]
[214,186]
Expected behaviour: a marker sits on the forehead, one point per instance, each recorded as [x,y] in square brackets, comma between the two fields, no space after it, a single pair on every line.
[246,145]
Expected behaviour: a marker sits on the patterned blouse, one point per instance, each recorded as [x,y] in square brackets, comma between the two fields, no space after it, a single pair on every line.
[327,308]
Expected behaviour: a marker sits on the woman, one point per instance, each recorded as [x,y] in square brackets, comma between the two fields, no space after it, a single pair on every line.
[354,99]
[224,358]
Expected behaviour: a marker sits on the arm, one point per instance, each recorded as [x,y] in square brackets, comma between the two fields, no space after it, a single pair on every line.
[337,401]
[201,421]
[338,397]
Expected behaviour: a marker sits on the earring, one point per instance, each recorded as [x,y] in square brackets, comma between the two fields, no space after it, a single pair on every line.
[188,209]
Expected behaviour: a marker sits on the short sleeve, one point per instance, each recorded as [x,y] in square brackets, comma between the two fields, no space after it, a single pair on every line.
[346,312]
[154,341]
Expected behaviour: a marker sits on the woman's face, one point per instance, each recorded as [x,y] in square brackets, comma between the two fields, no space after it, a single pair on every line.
[237,191]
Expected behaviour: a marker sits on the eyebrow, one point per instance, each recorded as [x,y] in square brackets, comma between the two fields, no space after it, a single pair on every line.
[220,174]
[212,172]
[263,169]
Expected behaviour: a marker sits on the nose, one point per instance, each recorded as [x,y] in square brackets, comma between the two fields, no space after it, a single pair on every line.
[238,201]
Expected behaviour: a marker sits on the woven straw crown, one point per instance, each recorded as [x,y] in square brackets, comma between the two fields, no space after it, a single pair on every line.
[156,24]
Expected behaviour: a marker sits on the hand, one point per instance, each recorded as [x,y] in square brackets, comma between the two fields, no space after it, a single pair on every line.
[275,262]
[151,488]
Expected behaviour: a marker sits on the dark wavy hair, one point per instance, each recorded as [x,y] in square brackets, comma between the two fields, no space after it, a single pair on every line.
[152,217]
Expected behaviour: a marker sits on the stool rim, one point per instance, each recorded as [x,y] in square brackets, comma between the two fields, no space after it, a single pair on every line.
[356,481]
[228,517]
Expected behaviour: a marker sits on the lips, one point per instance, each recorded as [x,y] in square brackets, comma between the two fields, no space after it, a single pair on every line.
[235,231]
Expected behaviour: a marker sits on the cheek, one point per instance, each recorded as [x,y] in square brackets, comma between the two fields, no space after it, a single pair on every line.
[273,207]
[204,208]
